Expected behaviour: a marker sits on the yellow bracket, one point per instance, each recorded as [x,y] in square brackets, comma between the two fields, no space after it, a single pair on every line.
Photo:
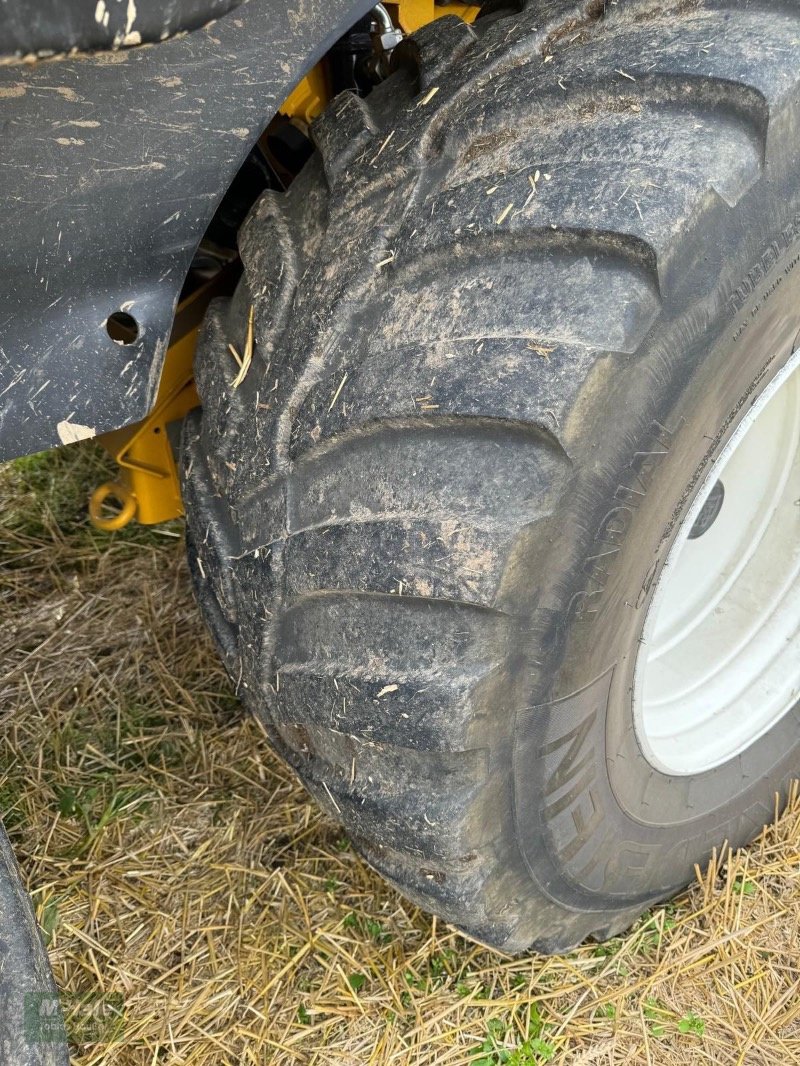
[412,15]
[309,97]
[148,487]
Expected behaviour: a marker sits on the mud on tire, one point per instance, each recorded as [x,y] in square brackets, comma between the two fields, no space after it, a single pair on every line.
[502,328]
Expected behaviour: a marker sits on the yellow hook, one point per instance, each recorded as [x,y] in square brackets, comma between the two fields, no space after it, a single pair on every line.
[111,491]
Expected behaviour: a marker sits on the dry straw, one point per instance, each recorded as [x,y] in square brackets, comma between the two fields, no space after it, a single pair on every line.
[180,870]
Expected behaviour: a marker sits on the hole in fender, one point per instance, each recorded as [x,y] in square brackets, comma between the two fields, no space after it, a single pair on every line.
[122,328]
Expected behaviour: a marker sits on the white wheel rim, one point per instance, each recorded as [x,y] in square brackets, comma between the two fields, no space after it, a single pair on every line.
[719,662]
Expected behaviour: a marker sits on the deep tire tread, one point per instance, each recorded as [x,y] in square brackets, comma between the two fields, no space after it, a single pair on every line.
[374,538]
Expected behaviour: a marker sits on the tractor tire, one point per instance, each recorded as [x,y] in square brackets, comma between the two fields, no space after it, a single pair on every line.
[511,321]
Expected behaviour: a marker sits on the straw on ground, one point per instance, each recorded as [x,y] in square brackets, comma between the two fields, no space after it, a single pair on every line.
[179,870]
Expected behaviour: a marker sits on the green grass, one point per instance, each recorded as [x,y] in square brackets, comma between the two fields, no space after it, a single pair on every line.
[45,497]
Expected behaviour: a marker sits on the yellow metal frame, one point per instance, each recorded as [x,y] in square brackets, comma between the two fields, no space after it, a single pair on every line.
[148,488]
[412,15]
[308,99]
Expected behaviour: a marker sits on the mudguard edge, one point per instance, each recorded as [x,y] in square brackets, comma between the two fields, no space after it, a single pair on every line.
[113,165]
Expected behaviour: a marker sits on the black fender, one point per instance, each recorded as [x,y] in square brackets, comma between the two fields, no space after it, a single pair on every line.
[113,163]
[47,27]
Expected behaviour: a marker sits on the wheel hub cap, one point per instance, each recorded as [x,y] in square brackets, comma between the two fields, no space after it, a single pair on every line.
[719,664]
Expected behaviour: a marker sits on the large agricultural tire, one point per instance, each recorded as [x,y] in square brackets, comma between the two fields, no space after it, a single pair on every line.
[520,304]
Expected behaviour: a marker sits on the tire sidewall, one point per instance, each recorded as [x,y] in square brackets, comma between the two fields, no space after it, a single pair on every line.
[596,822]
